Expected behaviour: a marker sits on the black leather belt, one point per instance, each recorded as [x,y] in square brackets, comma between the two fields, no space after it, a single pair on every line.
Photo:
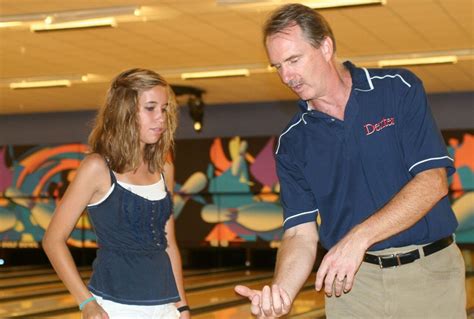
[395,260]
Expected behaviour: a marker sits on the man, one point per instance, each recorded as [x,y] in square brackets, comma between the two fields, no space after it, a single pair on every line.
[364,152]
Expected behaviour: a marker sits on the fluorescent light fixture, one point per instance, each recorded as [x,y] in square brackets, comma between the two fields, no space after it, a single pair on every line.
[61,19]
[39,84]
[325,4]
[224,2]
[215,74]
[419,61]
[46,81]
[10,24]
[79,24]
[321,4]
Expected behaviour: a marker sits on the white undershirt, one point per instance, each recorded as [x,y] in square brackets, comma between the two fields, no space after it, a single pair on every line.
[155,191]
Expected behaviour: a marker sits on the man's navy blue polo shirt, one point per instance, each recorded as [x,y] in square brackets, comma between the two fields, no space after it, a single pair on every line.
[347,170]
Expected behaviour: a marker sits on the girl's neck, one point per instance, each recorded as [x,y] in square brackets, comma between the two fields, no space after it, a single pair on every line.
[139,176]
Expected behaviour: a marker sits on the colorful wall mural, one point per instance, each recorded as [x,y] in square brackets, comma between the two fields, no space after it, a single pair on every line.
[32,181]
[237,188]
[226,191]
[461,184]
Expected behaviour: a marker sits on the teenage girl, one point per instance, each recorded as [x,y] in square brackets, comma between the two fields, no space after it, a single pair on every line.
[124,184]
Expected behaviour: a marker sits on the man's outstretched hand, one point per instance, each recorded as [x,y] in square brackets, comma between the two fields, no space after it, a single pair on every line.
[267,303]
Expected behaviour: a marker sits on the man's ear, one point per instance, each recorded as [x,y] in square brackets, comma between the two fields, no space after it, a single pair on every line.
[327,48]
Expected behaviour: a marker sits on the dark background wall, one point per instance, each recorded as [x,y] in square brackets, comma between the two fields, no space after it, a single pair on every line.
[451,111]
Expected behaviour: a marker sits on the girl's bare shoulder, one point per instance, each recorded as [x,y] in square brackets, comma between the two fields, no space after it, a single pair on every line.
[95,169]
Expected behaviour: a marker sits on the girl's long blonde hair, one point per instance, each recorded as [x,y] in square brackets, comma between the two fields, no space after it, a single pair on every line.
[116,133]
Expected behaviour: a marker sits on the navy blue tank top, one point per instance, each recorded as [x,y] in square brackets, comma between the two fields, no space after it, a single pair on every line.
[132,266]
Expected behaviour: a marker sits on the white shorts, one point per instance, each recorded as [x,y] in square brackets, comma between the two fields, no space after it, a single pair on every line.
[117,310]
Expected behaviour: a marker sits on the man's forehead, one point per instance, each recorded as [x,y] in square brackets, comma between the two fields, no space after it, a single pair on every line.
[289,31]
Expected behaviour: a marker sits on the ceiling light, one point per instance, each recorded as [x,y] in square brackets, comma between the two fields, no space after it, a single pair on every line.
[419,61]
[79,24]
[243,1]
[45,82]
[321,4]
[61,19]
[197,126]
[326,4]
[196,112]
[48,20]
[39,84]
[215,74]
[10,24]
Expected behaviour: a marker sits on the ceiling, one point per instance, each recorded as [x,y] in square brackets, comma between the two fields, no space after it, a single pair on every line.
[174,36]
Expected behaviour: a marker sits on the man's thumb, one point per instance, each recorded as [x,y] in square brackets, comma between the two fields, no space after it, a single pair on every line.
[244,291]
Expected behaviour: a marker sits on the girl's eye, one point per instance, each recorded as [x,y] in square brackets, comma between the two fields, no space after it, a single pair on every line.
[150,108]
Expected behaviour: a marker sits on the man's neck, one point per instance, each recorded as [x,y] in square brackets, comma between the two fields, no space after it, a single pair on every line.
[337,94]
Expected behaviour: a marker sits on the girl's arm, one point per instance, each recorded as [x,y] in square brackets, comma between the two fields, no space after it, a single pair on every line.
[90,178]
[172,249]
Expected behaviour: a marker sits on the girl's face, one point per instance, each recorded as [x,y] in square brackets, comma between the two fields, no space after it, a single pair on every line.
[152,107]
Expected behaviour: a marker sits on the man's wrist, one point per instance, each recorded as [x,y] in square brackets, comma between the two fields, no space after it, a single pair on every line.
[362,235]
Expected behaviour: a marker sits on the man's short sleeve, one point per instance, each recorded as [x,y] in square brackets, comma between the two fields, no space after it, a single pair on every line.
[422,143]
[299,205]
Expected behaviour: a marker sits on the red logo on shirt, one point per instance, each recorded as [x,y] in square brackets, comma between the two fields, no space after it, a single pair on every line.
[371,128]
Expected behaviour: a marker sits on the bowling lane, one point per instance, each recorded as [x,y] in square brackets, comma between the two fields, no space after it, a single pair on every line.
[192,283]
[213,280]
[470,294]
[31,307]
[26,272]
[24,292]
[200,272]
[51,277]
[308,304]
[307,301]
[7,269]
[65,302]
[15,272]
[40,279]
[198,300]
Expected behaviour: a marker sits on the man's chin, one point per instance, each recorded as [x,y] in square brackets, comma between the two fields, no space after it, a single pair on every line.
[302,95]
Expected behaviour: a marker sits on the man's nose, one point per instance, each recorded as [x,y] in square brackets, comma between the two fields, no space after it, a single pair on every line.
[285,75]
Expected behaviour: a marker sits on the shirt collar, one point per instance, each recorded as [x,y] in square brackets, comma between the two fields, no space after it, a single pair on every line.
[360,77]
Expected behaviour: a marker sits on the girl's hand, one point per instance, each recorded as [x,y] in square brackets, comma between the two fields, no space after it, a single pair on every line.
[94,311]
[185,315]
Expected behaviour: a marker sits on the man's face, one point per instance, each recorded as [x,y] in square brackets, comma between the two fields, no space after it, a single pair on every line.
[300,65]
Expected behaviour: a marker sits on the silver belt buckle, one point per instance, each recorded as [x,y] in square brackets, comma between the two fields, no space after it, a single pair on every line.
[399,263]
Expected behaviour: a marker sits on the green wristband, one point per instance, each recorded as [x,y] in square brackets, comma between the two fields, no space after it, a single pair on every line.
[85,302]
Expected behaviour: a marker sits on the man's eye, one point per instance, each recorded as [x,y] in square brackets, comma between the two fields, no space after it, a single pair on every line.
[294,60]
